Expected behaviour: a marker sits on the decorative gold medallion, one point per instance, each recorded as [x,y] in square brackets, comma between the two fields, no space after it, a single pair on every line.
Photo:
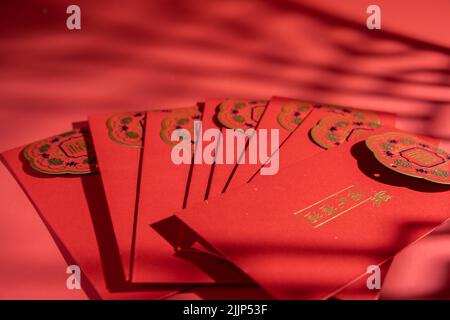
[333,130]
[67,153]
[240,114]
[182,118]
[126,128]
[408,155]
[293,113]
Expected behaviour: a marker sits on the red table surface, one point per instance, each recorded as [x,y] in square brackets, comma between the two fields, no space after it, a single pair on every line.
[150,54]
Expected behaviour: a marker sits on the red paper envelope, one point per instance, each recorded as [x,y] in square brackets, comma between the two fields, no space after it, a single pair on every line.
[232,114]
[286,114]
[317,225]
[301,145]
[282,114]
[163,186]
[118,145]
[201,172]
[74,209]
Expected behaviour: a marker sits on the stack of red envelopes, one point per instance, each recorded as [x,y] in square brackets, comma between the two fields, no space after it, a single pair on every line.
[237,199]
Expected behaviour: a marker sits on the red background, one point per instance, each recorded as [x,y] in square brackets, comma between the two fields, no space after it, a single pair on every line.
[146,54]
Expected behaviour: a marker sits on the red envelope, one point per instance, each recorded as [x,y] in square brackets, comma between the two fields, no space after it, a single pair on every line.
[118,145]
[221,173]
[74,209]
[163,188]
[307,114]
[317,225]
[201,172]
[153,249]
[300,144]
[282,114]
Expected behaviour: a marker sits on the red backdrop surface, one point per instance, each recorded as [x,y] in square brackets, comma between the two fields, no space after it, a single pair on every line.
[147,54]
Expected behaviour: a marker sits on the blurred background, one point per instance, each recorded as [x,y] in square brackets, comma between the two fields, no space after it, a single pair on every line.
[137,55]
